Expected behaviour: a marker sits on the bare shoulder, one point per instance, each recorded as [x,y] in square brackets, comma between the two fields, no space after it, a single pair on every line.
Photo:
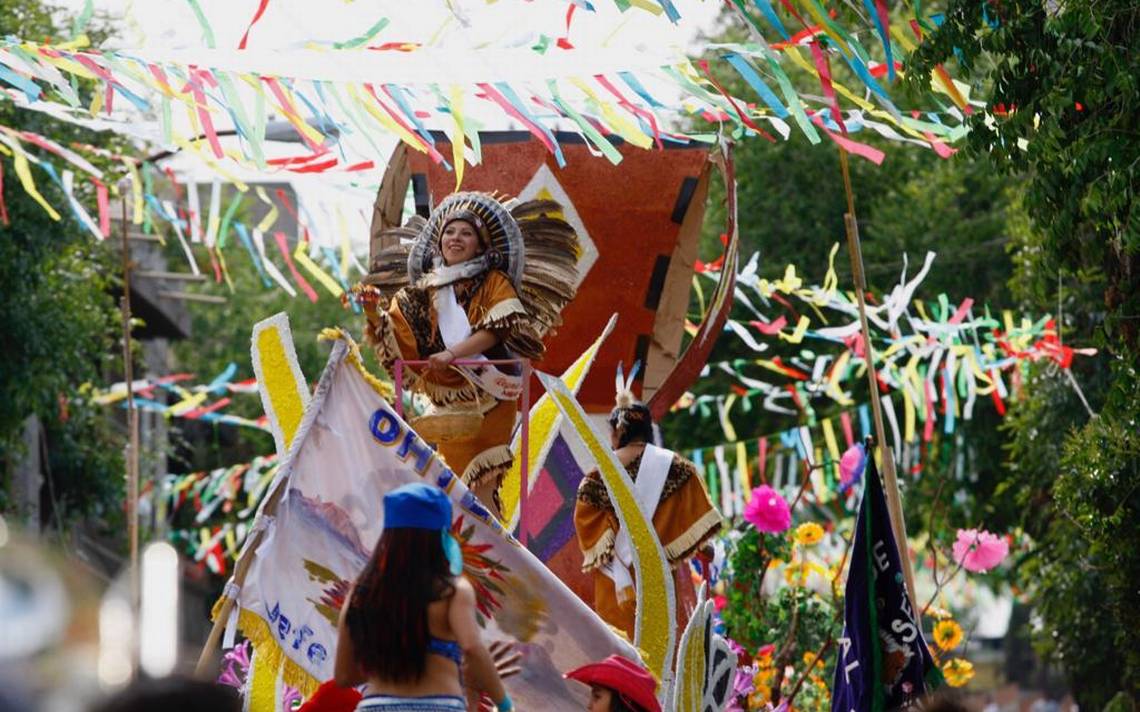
[464,591]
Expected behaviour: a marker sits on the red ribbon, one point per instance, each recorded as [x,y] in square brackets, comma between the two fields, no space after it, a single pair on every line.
[256,16]
[103,201]
[283,245]
[823,66]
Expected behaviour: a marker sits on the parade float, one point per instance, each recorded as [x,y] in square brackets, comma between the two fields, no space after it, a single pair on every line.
[634,189]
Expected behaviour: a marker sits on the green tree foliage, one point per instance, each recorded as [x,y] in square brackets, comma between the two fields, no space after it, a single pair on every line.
[60,315]
[791,203]
[1062,79]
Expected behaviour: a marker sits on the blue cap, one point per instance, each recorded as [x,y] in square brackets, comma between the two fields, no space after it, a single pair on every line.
[417,506]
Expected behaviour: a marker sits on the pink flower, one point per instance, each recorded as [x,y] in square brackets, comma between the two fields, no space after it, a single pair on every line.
[767,511]
[741,687]
[851,466]
[978,551]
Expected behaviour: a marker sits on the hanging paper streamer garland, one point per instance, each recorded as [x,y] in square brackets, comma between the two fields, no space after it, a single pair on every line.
[937,363]
[215,507]
[337,93]
[210,231]
[192,403]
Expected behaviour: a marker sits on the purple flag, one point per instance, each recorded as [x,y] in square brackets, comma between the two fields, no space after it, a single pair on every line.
[884,662]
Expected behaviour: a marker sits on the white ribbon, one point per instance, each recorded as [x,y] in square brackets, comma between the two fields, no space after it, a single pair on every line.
[232,591]
[651,476]
[454,329]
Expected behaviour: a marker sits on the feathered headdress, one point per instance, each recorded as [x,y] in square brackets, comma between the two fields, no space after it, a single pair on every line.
[623,387]
[630,417]
[534,248]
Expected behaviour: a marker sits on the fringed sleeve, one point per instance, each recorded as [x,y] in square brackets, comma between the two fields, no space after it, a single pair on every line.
[685,518]
[595,523]
[499,310]
[389,334]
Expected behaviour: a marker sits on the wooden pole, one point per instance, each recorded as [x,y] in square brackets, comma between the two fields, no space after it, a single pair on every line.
[132,442]
[241,569]
[890,479]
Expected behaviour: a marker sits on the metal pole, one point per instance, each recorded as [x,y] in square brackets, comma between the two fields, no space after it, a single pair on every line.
[132,443]
[524,442]
[890,479]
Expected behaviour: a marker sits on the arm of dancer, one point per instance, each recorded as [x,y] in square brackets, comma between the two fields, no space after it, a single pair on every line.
[480,665]
[346,672]
[506,664]
[595,523]
[477,343]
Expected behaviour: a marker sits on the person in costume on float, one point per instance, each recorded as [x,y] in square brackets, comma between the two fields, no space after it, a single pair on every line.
[618,685]
[408,627]
[684,517]
[484,279]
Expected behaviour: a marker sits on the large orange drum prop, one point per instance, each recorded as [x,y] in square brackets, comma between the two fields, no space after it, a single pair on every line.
[639,223]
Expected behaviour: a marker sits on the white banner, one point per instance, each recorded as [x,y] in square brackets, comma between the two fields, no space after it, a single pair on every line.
[350,449]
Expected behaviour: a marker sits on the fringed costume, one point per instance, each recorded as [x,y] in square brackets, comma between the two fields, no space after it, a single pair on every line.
[684,517]
[515,288]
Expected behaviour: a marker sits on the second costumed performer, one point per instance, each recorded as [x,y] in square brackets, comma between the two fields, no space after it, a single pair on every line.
[666,484]
[483,278]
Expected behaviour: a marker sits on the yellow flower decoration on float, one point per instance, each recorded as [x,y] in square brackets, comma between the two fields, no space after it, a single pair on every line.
[947,634]
[958,672]
[808,534]
[796,574]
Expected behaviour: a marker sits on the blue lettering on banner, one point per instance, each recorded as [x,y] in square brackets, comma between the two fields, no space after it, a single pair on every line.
[296,639]
[316,653]
[387,430]
[414,446]
[384,426]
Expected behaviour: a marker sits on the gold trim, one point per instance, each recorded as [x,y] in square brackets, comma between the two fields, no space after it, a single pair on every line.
[497,315]
[264,643]
[685,544]
[384,390]
[600,553]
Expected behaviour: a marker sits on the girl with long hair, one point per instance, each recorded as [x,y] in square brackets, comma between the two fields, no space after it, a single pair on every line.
[408,628]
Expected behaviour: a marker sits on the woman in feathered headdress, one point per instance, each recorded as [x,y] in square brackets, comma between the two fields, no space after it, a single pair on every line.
[483,278]
[684,519]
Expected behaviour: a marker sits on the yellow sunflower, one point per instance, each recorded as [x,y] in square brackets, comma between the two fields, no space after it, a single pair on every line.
[947,634]
[808,534]
[958,672]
